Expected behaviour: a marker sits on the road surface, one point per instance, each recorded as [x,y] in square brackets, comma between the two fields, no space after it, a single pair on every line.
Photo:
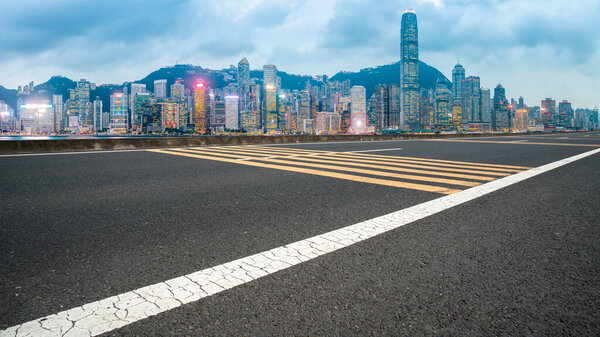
[485,236]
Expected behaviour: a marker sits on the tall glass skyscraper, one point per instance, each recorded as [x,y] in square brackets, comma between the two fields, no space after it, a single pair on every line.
[409,70]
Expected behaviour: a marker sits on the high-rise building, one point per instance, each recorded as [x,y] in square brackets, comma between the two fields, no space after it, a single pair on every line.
[231,112]
[443,113]
[486,106]
[118,113]
[200,114]
[303,108]
[394,120]
[270,82]
[177,91]
[409,69]
[380,106]
[549,113]
[36,116]
[458,75]
[243,84]
[471,99]
[521,120]
[59,113]
[160,88]
[565,114]
[81,104]
[97,113]
[141,109]
[136,89]
[169,115]
[219,114]
[501,114]
[358,110]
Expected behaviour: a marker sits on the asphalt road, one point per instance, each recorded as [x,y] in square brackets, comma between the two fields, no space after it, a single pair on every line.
[523,260]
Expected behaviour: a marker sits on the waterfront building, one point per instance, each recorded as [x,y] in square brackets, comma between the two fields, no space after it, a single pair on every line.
[409,69]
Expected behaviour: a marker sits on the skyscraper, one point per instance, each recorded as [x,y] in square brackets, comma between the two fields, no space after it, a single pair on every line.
[565,114]
[160,88]
[118,113]
[458,74]
[97,113]
[409,70]
[245,102]
[549,113]
[471,99]
[199,117]
[500,116]
[136,89]
[270,82]
[486,106]
[231,112]
[177,91]
[443,111]
[358,110]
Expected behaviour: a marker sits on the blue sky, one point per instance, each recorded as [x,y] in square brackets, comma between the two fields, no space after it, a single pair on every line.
[534,48]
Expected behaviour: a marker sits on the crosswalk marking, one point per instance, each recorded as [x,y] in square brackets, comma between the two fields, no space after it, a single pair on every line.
[423,165]
[349,169]
[323,158]
[423,160]
[413,173]
[377,181]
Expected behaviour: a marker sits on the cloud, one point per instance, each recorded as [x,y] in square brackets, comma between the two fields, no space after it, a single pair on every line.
[507,41]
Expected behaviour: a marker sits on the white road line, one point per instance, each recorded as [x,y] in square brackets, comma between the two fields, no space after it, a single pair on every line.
[376,150]
[102,316]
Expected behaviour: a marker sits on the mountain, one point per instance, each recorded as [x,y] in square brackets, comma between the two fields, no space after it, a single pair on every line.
[190,74]
[388,74]
[58,85]
[9,96]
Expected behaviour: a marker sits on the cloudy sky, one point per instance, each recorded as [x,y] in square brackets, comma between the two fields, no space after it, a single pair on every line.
[534,48]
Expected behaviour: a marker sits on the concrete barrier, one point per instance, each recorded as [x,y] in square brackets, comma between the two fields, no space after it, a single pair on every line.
[100,144]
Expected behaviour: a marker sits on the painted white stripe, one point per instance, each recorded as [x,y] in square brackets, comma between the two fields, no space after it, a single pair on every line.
[376,150]
[117,311]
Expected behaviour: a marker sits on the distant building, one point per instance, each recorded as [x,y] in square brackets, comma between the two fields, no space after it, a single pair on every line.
[565,114]
[358,110]
[409,69]
[200,113]
[471,99]
[270,82]
[501,115]
[327,123]
[36,116]
[118,113]
[458,75]
[231,112]
[245,100]
[177,91]
[169,113]
[443,112]
[486,106]
[97,114]
[549,113]
[59,113]
[160,88]
[521,119]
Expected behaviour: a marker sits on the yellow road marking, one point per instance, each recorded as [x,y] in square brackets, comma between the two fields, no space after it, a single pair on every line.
[424,166]
[396,157]
[348,169]
[384,182]
[358,162]
[505,142]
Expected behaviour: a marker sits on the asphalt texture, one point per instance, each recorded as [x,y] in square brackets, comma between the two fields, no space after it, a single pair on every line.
[520,261]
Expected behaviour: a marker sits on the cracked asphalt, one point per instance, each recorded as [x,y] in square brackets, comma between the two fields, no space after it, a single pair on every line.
[520,261]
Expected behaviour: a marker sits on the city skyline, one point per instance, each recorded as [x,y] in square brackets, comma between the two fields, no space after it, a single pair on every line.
[556,33]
